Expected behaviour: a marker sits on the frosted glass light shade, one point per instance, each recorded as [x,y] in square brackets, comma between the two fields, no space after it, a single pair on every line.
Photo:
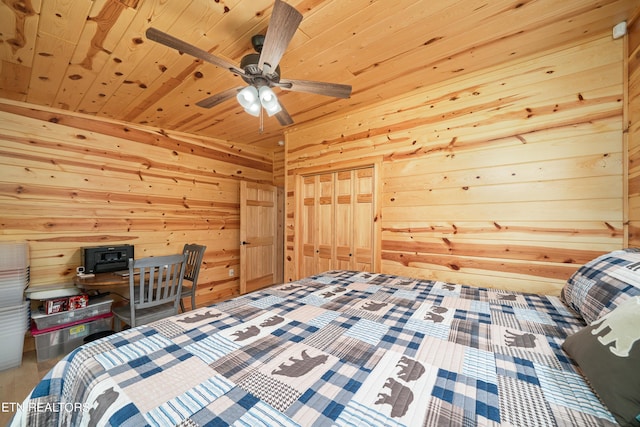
[269,101]
[248,99]
[251,99]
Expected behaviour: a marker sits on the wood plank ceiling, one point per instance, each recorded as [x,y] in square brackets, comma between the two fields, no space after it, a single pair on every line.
[92,56]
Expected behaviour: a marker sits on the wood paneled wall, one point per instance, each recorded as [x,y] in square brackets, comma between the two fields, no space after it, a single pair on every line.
[633,71]
[511,177]
[68,181]
[278,167]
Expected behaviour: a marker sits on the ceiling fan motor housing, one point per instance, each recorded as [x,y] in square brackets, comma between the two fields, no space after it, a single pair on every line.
[253,74]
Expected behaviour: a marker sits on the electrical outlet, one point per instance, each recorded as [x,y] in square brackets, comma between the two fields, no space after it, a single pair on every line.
[231,272]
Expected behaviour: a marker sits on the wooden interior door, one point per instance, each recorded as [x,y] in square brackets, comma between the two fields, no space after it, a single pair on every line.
[258,241]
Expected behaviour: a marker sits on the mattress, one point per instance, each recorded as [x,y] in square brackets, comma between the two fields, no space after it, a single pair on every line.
[341,348]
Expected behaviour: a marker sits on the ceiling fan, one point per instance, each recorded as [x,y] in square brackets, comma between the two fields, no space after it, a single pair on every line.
[259,70]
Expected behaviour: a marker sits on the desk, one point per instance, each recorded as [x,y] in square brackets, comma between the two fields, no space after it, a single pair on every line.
[105,282]
[102,282]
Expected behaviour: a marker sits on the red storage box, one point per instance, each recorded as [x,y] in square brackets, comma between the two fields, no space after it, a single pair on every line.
[58,305]
[78,301]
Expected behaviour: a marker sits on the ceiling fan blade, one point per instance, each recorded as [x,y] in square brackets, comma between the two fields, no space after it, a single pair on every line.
[182,46]
[320,88]
[282,26]
[218,98]
[283,116]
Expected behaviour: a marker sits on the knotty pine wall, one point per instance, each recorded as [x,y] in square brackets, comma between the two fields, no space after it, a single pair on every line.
[68,181]
[511,177]
[633,70]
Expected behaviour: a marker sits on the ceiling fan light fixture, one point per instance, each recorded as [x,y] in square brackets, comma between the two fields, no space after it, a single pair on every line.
[253,109]
[248,97]
[269,100]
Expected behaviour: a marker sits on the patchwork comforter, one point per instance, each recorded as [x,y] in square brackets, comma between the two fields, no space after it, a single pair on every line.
[342,348]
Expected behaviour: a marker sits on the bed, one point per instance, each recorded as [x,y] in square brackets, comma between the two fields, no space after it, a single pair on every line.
[350,348]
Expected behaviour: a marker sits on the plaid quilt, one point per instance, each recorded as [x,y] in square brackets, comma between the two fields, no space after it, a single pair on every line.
[342,348]
[603,283]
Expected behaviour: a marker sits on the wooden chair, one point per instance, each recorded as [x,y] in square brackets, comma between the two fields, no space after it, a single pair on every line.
[155,284]
[194,254]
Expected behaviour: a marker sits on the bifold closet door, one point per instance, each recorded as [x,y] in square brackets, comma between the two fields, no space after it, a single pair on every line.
[307,228]
[344,227]
[317,224]
[337,221]
[363,212]
[354,220]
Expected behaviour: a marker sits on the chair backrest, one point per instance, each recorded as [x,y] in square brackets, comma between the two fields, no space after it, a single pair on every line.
[155,281]
[194,254]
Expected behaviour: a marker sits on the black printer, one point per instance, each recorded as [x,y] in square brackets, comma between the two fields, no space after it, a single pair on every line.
[103,259]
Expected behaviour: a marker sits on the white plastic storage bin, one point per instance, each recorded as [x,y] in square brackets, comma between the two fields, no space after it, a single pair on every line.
[59,341]
[95,308]
[12,285]
[13,325]
[14,272]
[15,255]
